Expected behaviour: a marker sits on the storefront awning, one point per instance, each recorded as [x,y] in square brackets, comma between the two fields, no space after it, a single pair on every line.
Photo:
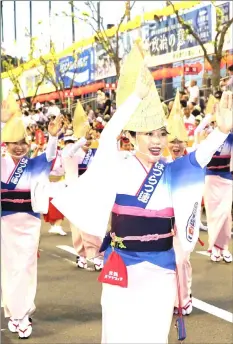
[92,88]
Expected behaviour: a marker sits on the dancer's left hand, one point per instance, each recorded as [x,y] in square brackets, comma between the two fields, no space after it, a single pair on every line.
[224,115]
[56,125]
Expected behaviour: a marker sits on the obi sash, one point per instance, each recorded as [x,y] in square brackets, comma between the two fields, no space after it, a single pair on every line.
[219,163]
[142,226]
[16,201]
[17,173]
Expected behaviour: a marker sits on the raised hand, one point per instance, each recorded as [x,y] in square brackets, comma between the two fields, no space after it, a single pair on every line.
[224,115]
[55,126]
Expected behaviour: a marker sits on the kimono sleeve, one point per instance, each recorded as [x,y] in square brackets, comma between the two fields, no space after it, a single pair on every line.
[40,165]
[187,187]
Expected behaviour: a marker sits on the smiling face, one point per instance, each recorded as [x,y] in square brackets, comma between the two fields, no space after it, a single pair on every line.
[18,149]
[125,144]
[149,146]
[176,148]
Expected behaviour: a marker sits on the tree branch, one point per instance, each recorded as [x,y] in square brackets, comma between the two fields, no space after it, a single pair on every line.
[191,32]
[222,36]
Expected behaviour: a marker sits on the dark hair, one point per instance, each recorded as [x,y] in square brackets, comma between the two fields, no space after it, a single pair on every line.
[196,112]
[132,133]
[107,94]
[99,130]
[183,103]
[69,141]
[230,68]
[201,93]
[40,126]
[218,94]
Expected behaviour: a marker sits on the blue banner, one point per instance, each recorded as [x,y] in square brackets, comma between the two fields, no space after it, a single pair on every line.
[168,36]
[225,17]
[76,71]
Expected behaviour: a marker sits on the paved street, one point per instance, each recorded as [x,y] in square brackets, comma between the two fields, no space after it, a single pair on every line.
[68,300]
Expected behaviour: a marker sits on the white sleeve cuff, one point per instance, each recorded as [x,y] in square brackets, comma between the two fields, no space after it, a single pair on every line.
[75,147]
[51,149]
[209,146]
[120,118]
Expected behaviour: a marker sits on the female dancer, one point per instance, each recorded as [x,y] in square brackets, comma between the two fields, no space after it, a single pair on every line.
[21,222]
[146,197]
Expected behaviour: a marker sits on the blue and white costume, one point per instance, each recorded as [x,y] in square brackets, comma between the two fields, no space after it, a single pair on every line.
[23,199]
[142,312]
[218,200]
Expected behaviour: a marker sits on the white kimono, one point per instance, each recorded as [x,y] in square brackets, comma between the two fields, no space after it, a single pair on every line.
[142,312]
[20,230]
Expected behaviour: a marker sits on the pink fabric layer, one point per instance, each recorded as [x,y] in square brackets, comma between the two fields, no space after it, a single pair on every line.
[218,203]
[135,211]
[20,233]
[222,156]
[16,200]
[143,238]
[184,270]
[6,190]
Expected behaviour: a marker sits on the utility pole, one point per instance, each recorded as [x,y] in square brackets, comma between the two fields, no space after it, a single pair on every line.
[50,25]
[30,14]
[2,26]
[98,15]
[128,16]
[72,19]
[15,23]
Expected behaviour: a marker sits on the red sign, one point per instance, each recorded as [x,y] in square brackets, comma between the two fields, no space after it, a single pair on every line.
[40,139]
[190,128]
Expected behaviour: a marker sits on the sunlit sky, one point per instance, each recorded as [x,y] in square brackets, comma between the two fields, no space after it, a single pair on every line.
[60,27]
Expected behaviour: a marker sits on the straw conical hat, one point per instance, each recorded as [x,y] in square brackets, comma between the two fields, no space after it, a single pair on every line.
[150,114]
[175,122]
[210,104]
[14,129]
[80,121]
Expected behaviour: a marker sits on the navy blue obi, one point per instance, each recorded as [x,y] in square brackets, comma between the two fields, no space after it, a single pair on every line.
[17,201]
[219,163]
[130,225]
[81,169]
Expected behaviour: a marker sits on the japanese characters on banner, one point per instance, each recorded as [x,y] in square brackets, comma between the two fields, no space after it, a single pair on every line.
[76,71]
[226,11]
[168,41]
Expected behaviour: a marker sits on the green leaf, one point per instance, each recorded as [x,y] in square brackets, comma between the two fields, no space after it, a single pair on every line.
[121,245]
